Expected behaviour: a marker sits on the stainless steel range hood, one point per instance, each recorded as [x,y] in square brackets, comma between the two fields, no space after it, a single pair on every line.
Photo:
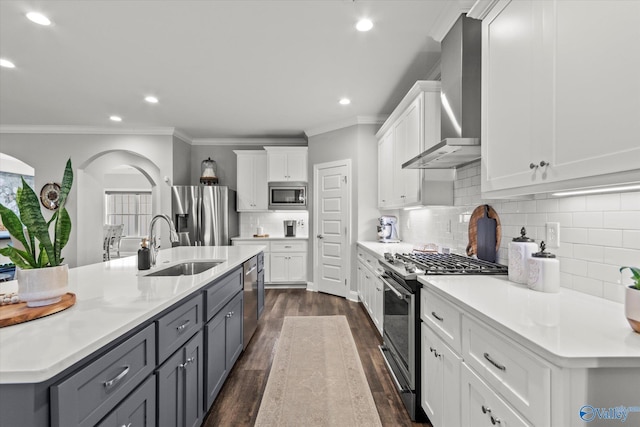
[460,110]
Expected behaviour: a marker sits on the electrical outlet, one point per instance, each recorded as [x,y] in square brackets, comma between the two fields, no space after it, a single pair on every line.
[552,234]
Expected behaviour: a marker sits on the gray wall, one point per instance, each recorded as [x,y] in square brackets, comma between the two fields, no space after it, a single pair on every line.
[92,156]
[359,144]
[226,162]
[181,162]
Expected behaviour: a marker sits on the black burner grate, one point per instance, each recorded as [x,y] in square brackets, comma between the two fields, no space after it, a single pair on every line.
[436,263]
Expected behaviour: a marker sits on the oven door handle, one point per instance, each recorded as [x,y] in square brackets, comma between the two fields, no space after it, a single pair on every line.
[395,291]
[388,283]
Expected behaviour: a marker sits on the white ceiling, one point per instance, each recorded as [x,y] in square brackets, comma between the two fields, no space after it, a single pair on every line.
[221,69]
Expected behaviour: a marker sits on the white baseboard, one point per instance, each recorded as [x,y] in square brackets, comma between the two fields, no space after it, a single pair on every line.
[311,287]
[353,296]
[285,286]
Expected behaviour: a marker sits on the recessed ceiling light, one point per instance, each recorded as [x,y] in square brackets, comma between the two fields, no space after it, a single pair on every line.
[38,18]
[151,99]
[364,25]
[115,118]
[6,63]
[345,101]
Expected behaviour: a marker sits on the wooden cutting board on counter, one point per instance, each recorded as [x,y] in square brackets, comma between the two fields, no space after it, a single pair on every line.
[12,314]
[485,233]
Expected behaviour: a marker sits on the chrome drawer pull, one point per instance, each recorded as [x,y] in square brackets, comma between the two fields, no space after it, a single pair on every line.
[433,313]
[182,327]
[497,365]
[431,349]
[485,409]
[109,384]
[187,362]
[495,420]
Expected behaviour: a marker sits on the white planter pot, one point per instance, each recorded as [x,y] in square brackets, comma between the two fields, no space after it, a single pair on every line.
[42,286]
[632,307]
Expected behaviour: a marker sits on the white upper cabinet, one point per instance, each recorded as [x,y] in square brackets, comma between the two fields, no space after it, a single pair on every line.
[252,180]
[287,164]
[412,127]
[560,95]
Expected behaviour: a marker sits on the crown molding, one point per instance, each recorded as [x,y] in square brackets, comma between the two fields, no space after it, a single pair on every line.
[481,8]
[250,141]
[182,136]
[85,130]
[449,16]
[357,120]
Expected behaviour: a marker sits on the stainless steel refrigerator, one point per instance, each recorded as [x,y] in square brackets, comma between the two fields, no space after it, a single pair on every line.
[204,215]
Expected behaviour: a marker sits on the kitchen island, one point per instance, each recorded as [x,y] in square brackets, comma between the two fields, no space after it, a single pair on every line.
[114,304]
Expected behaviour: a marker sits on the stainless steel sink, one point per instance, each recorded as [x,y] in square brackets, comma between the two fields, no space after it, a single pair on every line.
[186,268]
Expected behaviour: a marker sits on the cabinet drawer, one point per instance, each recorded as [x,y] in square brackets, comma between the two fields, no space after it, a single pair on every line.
[177,326]
[221,291]
[442,316]
[291,246]
[519,376]
[483,407]
[92,392]
[138,409]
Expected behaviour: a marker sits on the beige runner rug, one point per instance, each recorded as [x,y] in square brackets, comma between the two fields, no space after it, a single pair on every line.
[317,378]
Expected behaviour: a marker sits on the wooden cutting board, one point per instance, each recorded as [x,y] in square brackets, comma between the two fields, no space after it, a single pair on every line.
[12,314]
[478,213]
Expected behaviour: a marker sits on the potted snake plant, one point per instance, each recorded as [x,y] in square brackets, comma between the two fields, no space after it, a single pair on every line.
[632,299]
[37,244]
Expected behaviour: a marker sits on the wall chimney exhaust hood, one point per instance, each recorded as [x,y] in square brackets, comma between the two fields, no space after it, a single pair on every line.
[460,63]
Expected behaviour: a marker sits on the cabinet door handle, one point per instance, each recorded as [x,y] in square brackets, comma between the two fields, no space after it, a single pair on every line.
[229,314]
[288,247]
[182,327]
[533,166]
[494,363]
[128,425]
[186,363]
[495,420]
[542,164]
[485,409]
[434,314]
[112,382]
[320,236]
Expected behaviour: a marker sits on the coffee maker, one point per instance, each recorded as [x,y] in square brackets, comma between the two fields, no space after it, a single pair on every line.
[388,230]
[290,228]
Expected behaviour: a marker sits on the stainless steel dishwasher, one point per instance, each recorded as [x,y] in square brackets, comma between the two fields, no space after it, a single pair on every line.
[250,299]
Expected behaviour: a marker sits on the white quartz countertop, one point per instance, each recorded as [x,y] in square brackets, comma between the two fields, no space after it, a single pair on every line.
[378,248]
[569,328]
[274,237]
[111,299]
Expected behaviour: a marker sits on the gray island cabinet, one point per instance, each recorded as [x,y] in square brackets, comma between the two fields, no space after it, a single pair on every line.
[166,370]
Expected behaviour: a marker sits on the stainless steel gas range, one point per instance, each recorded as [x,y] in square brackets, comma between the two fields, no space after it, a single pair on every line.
[401,335]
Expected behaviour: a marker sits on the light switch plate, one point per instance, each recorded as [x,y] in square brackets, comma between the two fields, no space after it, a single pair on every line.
[552,239]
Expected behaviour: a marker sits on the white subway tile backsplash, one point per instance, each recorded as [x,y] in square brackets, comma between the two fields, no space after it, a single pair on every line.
[604,272]
[614,292]
[565,219]
[572,204]
[589,286]
[630,201]
[603,202]
[574,235]
[587,219]
[620,256]
[622,220]
[602,237]
[547,205]
[631,239]
[573,266]
[599,233]
[589,252]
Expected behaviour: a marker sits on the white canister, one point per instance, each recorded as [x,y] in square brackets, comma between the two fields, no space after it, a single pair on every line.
[520,250]
[544,271]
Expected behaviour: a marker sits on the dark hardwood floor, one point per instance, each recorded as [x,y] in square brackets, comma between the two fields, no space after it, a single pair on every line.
[239,400]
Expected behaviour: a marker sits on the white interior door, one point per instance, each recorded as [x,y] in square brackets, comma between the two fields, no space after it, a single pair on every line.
[332,206]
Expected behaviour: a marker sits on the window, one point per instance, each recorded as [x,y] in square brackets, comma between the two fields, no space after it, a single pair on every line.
[133,209]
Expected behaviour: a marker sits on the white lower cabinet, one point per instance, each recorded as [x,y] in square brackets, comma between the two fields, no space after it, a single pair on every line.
[370,288]
[285,261]
[481,406]
[288,261]
[440,380]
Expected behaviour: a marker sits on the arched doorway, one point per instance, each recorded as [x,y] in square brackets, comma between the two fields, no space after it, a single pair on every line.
[92,180]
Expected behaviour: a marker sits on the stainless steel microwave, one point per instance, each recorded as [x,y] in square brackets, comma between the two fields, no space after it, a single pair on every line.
[288,195]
